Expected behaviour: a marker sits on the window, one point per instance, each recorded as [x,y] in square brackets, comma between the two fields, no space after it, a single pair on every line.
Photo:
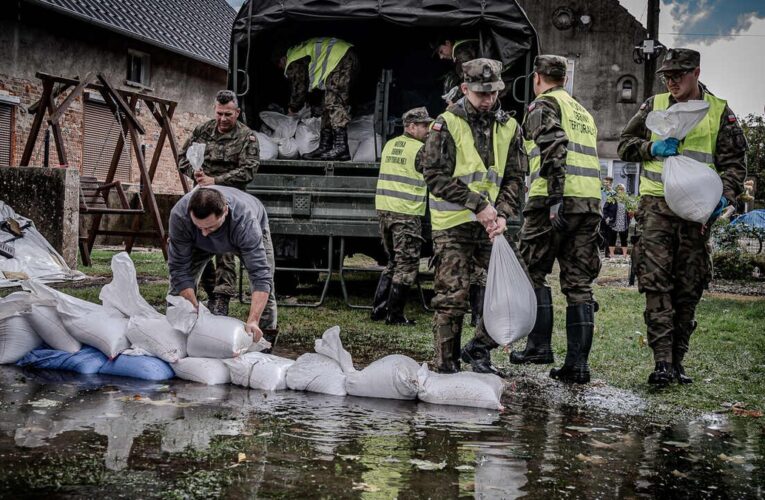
[138,68]
[100,134]
[6,133]
[626,89]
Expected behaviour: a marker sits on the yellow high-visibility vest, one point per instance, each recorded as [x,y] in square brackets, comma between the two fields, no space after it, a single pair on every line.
[699,144]
[325,54]
[470,169]
[582,165]
[400,188]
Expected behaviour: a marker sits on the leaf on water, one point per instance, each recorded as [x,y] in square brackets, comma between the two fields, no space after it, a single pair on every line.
[348,457]
[241,457]
[157,402]
[265,434]
[679,474]
[44,403]
[464,467]
[736,459]
[677,444]
[601,445]
[426,465]
[592,459]
[740,412]
[365,487]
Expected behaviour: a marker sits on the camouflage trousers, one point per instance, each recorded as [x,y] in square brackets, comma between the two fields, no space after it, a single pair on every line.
[337,92]
[200,260]
[457,251]
[673,266]
[220,277]
[576,251]
[402,240]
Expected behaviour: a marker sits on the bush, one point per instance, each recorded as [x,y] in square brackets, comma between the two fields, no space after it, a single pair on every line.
[736,265]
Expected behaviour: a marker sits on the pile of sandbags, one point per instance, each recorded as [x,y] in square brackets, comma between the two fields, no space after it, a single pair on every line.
[289,137]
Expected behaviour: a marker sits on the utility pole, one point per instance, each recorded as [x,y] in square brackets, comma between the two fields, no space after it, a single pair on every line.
[650,60]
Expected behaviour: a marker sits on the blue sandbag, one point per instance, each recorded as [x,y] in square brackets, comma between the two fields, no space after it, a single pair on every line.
[142,367]
[87,360]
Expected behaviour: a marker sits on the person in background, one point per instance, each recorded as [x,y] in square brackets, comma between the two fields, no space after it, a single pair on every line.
[617,218]
[606,191]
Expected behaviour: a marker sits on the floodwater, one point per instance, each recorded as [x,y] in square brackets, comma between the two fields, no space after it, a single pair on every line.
[74,436]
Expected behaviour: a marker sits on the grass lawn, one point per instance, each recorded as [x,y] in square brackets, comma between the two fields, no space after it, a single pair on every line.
[726,360]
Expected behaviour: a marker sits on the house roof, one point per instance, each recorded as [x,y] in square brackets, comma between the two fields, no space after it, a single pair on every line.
[199,29]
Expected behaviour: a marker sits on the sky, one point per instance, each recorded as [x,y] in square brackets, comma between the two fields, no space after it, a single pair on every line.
[729,34]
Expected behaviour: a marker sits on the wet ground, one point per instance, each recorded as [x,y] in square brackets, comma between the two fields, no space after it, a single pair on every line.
[68,436]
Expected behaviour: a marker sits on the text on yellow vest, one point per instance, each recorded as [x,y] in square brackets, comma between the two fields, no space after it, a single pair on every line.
[400,188]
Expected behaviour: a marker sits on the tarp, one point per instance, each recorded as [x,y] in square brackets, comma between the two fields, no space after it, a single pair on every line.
[383,31]
[755,218]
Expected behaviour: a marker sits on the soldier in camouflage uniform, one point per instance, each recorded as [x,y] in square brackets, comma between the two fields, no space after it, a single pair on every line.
[401,202]
[469,204]
[331,65]
[459,52]
[561,218]
[672,257]
[231,158]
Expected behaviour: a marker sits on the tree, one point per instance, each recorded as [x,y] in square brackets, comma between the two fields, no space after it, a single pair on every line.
[754,130]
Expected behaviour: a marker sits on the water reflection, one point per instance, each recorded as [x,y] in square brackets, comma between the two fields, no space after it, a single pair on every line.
[315,445]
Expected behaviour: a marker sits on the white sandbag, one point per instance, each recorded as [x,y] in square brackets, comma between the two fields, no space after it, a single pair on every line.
[283,126]
[307,135]
[288,148]
[17,338]
[479,390]
[361,127]
[692,189]
[269,150]
[259,346]
[330,345]
[316,373]
[509,304]
[203,370]
[367,151]
[46,323]
[259,371]
[391,377]
[122,293]
[157,337]
[92,324]
[209,336]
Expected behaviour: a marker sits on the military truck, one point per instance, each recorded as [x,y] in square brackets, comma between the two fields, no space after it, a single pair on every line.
[319,211]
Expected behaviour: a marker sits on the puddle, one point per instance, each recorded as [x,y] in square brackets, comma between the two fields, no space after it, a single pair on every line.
[84,436]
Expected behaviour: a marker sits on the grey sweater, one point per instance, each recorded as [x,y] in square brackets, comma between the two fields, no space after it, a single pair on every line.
[242,233]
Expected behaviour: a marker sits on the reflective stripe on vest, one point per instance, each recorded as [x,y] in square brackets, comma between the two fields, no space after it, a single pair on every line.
[325,54]
[582,165]
[400,188]
[469,168]
[699,144]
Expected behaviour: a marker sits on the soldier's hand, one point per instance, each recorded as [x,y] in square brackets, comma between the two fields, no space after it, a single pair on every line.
[202,179]
[253,330]
[556,217]
[663,149]
[487,217]
[498,228]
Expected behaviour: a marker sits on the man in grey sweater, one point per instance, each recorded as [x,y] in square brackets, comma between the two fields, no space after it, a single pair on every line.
[214,220]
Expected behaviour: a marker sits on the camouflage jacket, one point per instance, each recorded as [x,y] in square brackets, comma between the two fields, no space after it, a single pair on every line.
[543,126]
[231,158]
[466,51]
[730,151]
[438,160]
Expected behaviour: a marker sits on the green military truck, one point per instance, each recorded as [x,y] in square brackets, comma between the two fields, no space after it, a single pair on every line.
[322,211]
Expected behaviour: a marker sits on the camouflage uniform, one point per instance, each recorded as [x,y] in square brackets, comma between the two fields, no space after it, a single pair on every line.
[458,249]
[336,111]
[672,257]
[402,240]
[466,51]
[232,159]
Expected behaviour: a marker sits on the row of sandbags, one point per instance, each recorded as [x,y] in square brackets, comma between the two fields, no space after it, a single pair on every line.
[290,137]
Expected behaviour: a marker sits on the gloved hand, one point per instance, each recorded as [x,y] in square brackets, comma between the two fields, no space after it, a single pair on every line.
[556,215]
[667,147]
[718,210]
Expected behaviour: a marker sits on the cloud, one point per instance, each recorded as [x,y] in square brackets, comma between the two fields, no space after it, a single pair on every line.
[716,19]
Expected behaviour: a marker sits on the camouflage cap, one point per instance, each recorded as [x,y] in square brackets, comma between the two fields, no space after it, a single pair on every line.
[680,60]
[550,65]
[483,75]
[417,115]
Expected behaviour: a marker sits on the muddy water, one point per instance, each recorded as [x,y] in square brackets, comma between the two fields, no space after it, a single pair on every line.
[84,437]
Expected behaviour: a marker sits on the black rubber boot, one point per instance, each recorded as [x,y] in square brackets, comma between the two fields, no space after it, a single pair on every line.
[580,325]
[380,302]
[477,293]
[270,334]
[662,374]
[220,304]
[396,304]
[479,357]
[538,349]
[325,144]
[680,340]
[339,151]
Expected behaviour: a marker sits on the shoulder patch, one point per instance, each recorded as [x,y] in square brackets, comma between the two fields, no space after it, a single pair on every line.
[731,118]
[643,106]
[253,138]
[532,106]
[437,126]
